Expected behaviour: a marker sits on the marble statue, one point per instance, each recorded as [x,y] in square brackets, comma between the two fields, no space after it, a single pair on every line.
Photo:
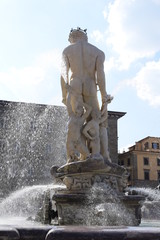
[81,76]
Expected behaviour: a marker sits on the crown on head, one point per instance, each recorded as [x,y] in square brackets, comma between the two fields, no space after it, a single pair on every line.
[79,29]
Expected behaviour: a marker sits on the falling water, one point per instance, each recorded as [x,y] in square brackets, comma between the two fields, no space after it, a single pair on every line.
[32,140]
[151,206]
[105,208]
[149,193]
[24,204]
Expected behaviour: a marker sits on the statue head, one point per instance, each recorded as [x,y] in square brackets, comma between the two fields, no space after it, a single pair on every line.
[77,34]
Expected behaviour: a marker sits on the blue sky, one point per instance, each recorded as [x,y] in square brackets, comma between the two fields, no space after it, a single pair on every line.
[33,34]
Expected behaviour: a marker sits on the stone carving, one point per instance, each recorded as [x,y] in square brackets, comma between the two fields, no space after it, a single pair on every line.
[82,182]
[91,132]
[79,90]
[78,182]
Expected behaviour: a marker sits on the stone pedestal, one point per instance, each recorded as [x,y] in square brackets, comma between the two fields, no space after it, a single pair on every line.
[94,195]
[70,208]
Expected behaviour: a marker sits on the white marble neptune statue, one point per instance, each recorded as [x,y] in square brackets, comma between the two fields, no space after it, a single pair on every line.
[81,76]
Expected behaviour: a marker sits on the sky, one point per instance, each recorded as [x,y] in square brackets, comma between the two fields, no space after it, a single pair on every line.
[33,34]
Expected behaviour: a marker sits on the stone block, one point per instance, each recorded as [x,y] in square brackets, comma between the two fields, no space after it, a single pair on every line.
[9,233]
[103,233]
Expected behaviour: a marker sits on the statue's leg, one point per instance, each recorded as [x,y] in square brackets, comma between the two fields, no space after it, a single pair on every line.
[95,147]
[70,150]
[91,101]
[76,96]
[83,150]
[84,143]
[104,143]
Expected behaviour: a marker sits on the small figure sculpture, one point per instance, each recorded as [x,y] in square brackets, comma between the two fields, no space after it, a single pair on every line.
[83,71]
[91,132]
[103,132]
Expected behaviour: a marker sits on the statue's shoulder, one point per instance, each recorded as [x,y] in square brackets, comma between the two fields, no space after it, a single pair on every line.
[67,49]
[97,50]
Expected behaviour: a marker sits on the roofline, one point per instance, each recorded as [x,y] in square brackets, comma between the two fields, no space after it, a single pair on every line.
[146,138]
[3,102]
[110,113]
[116,114]
[142,140]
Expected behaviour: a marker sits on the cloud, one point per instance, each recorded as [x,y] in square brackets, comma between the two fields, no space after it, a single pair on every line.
[23,83]
[34,74]
[97,36]
[147,83]
[133,29]
[156,2]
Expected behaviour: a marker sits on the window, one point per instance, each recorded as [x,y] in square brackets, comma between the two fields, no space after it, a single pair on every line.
[122,162]
[158,161]
[129,178]
[158,176]
[128,161]
[146,146]
[146,160]
[146,174]
[155,145]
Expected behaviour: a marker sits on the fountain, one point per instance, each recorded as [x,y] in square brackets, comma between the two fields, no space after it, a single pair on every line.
[88,199]
[89,165]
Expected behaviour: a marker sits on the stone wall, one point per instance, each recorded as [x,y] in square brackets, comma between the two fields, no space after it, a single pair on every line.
[112,136]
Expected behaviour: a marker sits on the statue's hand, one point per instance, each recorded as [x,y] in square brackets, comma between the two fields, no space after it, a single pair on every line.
[64,101]
[109,98]
[105,102]
[92,138]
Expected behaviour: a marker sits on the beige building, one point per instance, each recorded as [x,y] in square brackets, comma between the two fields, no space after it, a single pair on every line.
[143,162]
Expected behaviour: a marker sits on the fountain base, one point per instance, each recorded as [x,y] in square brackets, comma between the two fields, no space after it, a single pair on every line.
[77,209]
[79,233]
[94,195]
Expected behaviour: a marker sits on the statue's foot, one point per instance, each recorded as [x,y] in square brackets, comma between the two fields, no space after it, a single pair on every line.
[70,160]
[96,156]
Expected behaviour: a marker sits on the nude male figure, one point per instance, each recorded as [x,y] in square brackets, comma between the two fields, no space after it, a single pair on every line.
[85,63]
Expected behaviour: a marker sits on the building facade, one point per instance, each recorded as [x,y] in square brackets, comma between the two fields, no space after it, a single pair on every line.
[33,138]
[143,162]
